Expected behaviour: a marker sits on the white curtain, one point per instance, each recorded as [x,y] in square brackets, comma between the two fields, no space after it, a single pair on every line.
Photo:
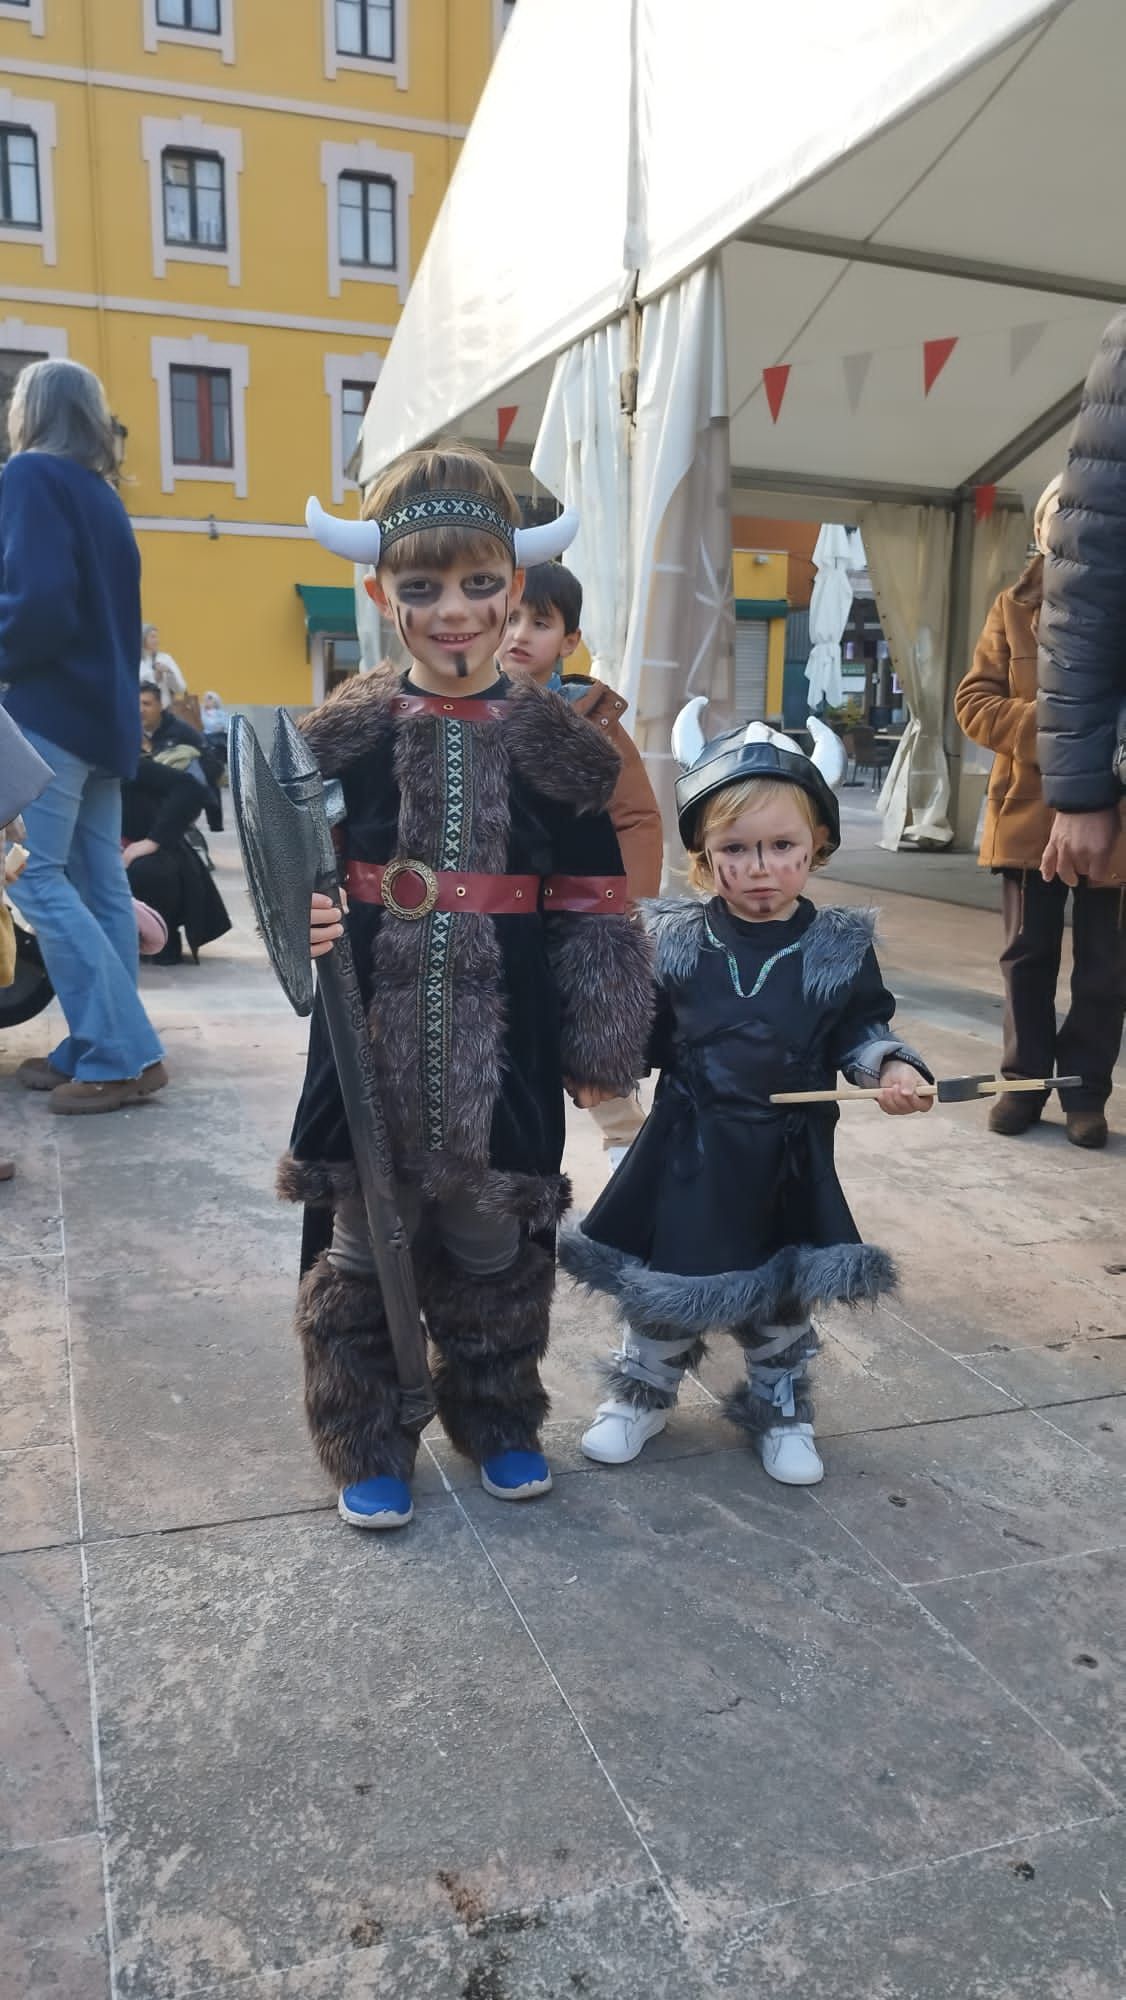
[909,561]
[829,607]
[582,456]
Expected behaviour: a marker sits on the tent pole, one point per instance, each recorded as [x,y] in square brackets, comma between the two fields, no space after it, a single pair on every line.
[958,643]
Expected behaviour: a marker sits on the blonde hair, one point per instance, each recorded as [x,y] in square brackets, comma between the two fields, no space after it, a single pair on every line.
[452,468]
[723,809]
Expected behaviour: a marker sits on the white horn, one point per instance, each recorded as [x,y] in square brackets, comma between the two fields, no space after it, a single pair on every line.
[688,739]
[761,732]
[829,754]
[356,541]
[540,545]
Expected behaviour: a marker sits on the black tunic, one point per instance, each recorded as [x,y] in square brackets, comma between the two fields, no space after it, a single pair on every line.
[721,1184]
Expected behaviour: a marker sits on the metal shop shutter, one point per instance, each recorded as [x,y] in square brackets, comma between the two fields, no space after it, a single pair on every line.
[752,645]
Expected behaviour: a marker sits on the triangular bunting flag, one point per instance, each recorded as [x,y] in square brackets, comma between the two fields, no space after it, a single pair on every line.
[1023,341]
[856,368]
[985,502]
[936,354]
[776,381]
[506,417]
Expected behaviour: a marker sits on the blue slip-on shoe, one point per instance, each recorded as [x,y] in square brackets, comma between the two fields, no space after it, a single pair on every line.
[382,1502]
[516,1475]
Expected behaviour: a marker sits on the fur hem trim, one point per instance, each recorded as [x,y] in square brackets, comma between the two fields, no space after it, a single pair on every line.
[557,751]
[832,949]
[789,1286]
[537,1202]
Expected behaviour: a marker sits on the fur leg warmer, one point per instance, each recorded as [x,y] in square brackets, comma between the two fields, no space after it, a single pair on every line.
[491,1335]
[351,1388]
[777,1390]
[648,1368]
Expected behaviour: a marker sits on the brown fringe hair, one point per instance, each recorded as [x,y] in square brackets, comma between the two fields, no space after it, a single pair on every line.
[450,468]
[724,808]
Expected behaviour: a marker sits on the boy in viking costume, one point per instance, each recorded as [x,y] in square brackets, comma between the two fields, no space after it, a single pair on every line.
[727,1213]
[487,913]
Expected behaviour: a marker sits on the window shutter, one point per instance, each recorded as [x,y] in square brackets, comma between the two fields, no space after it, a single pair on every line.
[752,646]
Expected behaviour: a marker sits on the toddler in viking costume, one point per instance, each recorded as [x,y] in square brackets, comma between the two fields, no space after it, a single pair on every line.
[727,1213]
[487,913]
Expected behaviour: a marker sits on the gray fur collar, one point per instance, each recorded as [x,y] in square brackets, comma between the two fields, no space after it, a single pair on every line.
[557,752]
[832,950]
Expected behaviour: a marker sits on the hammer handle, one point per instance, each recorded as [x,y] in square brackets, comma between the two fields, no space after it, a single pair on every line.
[991,1089]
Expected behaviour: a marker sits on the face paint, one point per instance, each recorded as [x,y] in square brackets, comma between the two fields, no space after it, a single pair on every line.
[408,620]
[489,586]
[758,850]
[461,666]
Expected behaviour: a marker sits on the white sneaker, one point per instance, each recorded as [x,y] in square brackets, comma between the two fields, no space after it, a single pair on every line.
[790,1456]
[620,1431]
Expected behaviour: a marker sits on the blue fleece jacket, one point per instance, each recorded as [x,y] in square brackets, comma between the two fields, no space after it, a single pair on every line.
[70,610]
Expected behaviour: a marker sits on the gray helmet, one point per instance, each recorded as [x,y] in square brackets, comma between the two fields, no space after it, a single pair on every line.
[755,751]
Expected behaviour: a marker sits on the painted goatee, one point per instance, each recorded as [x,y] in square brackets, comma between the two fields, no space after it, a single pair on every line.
[461,665]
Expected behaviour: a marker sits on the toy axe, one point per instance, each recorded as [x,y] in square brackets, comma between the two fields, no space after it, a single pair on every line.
[948,1089]
[283,820]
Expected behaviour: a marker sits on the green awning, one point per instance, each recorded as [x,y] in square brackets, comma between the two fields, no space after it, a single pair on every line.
[329,607]
[761,607]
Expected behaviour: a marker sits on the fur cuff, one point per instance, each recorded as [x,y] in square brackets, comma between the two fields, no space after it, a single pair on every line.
[789,1286]
[603,970]
[317,1183]
[537,1202]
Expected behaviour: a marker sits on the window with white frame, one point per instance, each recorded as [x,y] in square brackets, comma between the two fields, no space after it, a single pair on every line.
[194,199]
[368,192]
[201,387]
[20,206]
[201,24]
[366,28]
[27,197]
[366,35]
[354,399]
[194,170]
[349,381]
[367,220]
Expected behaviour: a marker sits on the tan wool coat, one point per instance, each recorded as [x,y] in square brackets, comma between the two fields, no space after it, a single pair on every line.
[633,809]
[996,706]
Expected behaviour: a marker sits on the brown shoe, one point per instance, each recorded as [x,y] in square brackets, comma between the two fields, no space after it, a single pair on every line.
[7,1169]
[84,1100]
[1087,1128]
[38,1074]
[1014,1112]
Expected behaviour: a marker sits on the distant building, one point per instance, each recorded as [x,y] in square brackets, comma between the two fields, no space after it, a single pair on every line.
[219,206]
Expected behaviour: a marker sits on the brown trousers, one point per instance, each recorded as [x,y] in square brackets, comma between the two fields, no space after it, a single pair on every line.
[1087,1041]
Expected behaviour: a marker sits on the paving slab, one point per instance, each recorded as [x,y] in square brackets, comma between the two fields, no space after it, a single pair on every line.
[307,1729]
[599,1947]
[1036,1919]
[1066,1371]
[1099,1426]
[780,1719]
[949,1499]
[52,1922]
[34,1397]
[48,1787]
[30,1207]
[38,1507]
[1053,1633]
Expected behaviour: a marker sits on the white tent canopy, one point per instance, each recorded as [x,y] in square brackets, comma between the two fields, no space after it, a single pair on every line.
[877,175]
[868,184]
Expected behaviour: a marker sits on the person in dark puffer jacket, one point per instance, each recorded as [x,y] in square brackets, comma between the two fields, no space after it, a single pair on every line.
[1082,636]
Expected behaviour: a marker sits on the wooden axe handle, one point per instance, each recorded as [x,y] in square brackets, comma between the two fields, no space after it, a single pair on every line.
[838,1096]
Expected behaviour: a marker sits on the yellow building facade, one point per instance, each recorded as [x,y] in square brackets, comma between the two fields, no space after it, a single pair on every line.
[218,205]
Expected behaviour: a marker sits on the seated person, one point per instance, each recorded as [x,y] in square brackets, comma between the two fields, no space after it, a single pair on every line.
[175,742]
[158,805]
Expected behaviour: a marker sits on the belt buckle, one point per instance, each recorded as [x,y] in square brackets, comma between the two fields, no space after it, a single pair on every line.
[410,913]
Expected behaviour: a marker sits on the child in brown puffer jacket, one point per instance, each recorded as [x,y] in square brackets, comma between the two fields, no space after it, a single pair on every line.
[996,706]
[543,633]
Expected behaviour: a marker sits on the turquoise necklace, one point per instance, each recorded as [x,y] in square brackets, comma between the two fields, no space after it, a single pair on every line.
[733,963]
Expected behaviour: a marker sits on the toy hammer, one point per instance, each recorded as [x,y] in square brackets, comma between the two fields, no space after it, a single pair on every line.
[948,1090]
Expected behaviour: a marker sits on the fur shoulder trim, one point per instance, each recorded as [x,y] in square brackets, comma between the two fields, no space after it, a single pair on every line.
[833,950]
[350,723]
[557,751]
[676,926]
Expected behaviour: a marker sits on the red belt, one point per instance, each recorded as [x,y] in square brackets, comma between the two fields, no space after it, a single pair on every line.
[411,889]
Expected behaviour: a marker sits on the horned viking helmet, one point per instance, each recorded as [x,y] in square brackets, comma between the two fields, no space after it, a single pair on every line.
[754,751]
[368,541]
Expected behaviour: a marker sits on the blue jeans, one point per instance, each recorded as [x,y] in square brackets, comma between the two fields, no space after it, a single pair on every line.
[75,892]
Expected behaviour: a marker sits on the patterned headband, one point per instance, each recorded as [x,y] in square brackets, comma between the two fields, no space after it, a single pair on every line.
[446,510]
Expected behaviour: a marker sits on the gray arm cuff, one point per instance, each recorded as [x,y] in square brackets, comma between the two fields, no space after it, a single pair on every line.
[862,1065]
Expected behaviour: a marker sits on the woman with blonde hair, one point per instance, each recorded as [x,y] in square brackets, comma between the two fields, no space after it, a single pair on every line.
[996,706]
[70,639]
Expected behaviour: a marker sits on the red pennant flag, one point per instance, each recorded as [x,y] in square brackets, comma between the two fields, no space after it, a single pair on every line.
[506,417]
[985,501]
[776,381]
[936,354]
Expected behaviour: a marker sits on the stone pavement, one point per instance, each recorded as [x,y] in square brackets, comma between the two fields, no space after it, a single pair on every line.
[672,1733]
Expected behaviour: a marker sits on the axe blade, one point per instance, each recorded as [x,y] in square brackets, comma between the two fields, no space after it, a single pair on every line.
[281,853]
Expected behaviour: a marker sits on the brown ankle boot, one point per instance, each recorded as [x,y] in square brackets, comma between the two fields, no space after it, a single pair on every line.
[1087,1128]
[1014,1112]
